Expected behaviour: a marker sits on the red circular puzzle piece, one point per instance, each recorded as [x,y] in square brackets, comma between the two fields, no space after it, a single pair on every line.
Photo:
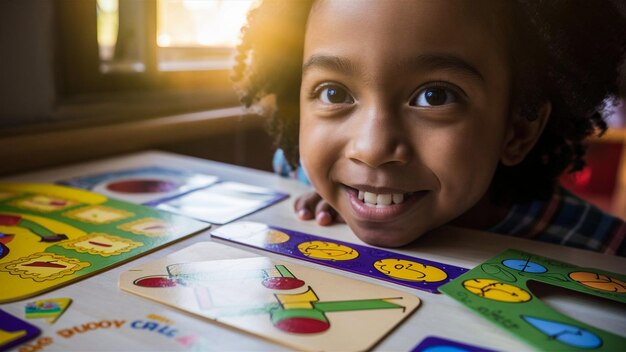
[142,186]
[282,283]
[302,325]
[155,281]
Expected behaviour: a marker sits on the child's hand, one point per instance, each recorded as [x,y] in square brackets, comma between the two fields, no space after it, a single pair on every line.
[311,205]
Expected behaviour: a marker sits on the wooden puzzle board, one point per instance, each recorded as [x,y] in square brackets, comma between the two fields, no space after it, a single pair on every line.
[53,235]
[287,303]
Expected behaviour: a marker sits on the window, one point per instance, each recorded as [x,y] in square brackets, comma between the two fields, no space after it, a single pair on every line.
[153,57]
[191,35]
[185,29]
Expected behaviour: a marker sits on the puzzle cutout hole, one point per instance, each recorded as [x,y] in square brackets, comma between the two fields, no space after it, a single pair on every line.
[582,307]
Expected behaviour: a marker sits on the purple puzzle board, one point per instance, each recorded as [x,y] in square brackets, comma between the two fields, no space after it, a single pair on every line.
[434,343]
[14,331]
[373,262]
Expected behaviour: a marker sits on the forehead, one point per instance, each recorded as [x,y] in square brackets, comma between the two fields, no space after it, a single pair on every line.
[388,32]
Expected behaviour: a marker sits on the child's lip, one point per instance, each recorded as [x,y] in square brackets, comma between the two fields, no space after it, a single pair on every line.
[377,190]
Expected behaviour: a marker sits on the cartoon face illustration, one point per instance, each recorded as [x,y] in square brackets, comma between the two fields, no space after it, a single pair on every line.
[327,250]
[496,290]
[599,281]
[409,270]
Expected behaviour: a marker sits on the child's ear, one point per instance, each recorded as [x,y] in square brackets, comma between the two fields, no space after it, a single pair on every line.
[523,132]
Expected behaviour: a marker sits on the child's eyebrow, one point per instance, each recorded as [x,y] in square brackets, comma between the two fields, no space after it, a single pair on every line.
[441,62]
[425,61]
[330,62]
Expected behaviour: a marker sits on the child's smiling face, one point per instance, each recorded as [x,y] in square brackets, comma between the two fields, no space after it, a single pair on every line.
[403,104]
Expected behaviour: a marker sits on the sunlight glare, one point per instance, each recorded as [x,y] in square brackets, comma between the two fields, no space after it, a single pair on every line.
[193,23]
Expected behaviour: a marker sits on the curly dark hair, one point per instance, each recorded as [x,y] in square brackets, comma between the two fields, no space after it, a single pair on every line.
[567,52]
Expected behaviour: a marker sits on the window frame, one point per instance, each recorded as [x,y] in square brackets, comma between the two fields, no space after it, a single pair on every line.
[82,89]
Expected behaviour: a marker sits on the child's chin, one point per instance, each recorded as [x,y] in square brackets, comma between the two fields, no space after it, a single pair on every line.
[384,238]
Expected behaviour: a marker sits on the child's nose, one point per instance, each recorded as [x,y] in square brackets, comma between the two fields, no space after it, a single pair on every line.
[379,138]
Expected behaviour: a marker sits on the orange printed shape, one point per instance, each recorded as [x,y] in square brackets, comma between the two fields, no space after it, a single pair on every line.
[598,281]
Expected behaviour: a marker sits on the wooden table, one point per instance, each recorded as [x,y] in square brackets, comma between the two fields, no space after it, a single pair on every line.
[104,318]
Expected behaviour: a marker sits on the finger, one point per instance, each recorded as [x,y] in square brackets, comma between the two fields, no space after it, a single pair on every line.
[324,213]
[304,205]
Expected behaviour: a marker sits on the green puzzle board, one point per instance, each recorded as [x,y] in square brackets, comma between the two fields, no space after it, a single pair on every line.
[53,235]
[498,291]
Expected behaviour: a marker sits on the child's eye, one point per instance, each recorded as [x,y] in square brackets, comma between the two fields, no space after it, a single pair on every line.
[334,94]
[435,96]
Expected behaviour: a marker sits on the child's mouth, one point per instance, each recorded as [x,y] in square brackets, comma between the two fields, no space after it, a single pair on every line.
[384,206]
[380,200]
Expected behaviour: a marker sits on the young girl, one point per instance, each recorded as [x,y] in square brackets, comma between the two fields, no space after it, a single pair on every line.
[408,115]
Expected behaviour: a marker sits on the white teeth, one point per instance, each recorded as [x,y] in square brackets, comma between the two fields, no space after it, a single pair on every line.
[380,200]
[398,198]
[370,198]
[383,199]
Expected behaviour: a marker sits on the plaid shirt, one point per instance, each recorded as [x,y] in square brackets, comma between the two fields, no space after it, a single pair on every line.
[564,219]
[567,220]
